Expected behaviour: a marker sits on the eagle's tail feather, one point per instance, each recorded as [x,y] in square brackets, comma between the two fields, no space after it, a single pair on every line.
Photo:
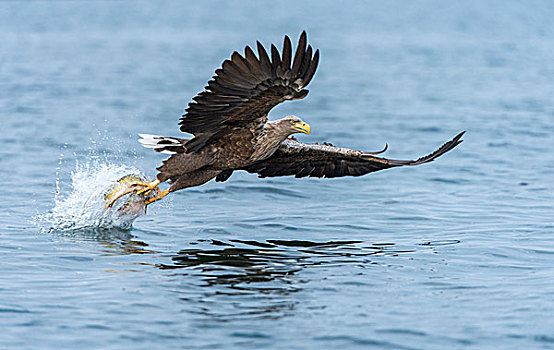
[163,144]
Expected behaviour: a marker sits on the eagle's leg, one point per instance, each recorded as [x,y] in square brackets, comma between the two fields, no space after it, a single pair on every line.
[194,178]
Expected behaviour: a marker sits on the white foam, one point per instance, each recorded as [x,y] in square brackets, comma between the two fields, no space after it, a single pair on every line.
[84,206]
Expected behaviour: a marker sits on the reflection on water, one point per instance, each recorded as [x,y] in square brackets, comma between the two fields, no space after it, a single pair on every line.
[273,258]
[246,278]
[235,262]
[242,279]
[113,241]
[130,246]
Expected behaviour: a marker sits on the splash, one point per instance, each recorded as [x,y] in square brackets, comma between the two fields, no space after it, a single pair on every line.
[84,206]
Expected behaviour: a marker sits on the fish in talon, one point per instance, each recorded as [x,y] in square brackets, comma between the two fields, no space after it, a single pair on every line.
[133,184]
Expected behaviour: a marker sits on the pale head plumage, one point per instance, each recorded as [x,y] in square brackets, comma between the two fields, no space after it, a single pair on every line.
[291,124]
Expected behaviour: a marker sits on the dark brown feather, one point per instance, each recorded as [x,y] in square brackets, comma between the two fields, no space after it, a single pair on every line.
[305,65]
[275,58]
[253,63]
[287,53]
[313,66]
[300,52]
[284,72]
[265,64]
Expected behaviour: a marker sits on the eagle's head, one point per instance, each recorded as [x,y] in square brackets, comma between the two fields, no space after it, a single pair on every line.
[292,124]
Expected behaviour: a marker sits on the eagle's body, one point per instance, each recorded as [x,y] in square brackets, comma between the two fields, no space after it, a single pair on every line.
[235,150]
[229,122]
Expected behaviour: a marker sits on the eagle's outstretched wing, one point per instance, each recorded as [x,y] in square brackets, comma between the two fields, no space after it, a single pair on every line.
[314,160]
[245,89]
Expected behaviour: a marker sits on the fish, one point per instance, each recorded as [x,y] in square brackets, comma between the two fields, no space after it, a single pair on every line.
[136,202]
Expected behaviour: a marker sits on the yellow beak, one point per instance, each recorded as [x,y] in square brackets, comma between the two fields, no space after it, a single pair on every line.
[302,127]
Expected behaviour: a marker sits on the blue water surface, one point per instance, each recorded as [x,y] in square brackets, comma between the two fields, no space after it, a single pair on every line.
[456,254]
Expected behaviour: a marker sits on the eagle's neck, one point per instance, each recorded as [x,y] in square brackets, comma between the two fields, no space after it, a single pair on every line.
[268,141]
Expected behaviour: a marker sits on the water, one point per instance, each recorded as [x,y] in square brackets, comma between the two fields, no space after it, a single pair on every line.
[453,254]
[85,205]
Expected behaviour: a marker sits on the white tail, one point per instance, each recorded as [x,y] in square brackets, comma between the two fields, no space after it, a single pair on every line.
[162,144]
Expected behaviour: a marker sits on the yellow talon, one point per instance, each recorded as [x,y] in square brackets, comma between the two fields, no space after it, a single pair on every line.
[129,184]
[157,198]
[152,185]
